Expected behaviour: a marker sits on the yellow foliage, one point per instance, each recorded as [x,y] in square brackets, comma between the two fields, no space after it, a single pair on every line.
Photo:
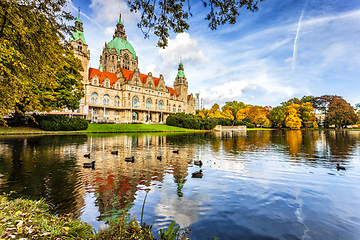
[227,113]
[201,114]
[242,113]
[293,119]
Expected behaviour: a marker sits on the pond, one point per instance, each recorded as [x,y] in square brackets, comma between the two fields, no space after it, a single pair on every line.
[255,185]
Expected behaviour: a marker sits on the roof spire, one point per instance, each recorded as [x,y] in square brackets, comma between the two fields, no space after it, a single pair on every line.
[79,13]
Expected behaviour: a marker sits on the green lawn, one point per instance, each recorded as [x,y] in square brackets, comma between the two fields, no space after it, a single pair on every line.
[99,128]
[95,127]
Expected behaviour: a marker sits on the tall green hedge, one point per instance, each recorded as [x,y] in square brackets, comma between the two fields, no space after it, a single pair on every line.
[196,122]
[190,121]
[60,123]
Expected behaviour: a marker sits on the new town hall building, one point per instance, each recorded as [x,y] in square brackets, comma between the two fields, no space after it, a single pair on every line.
[118,92]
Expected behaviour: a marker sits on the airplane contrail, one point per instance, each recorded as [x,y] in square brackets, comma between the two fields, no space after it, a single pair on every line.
[296,38]
[89,18]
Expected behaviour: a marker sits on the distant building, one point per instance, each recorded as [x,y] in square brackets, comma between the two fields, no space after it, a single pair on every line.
[199,102]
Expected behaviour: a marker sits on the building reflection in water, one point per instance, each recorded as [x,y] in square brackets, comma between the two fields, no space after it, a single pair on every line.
[115,181]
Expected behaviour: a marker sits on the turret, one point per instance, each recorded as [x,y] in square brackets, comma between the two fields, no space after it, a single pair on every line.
[180,83]
[80,46]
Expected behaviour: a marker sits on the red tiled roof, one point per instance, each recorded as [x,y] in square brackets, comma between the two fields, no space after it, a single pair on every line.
[128,74]
[102,75]
[188,97]
[172,91]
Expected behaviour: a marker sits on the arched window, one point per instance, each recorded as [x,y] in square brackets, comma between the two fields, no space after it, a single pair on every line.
[148,103]
[174,108]
[148,117]
[106,100]
[107,84]
[135,102]
[135,116]
[117,101]
[94,96]
[161,105]
[179,108]
[95,82]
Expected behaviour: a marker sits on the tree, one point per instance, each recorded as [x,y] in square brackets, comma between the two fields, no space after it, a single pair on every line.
[278,115]
[341,113]
[164,15]
[262,120]
[214,112]
[307,114]
[321,105]
[293,119]
[38,70]
[291,101]
[242,114]
[306,99]
[234,106]
[227,113]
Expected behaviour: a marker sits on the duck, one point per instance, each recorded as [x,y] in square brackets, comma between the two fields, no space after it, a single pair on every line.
[199,163]
[197,174]
[130,159]
[87,155]
[159,158]
[89,165]
[338,167]
[114,152]
[176,151]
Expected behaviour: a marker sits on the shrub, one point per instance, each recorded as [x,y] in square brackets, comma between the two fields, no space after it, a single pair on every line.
[190,121]
[60,123]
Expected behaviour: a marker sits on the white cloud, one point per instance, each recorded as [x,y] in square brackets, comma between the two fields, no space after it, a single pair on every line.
[109,10]
[182,46]
[228,91]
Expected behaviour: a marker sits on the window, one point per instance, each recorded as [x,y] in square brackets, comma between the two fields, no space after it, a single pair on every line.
[117,101]
[148,117]
[174,108]
[179,108]
[116,113]
[96,111]
[161,105]
[95,82]
[135,102]
[106,100]
[106,111]
[94,96]
[148,103]
[135,116]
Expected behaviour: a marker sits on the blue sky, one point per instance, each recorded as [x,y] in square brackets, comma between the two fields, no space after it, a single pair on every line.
[287,49]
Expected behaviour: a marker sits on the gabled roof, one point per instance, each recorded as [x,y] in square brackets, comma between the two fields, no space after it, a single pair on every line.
[128,74]
[172,91]
[102,75]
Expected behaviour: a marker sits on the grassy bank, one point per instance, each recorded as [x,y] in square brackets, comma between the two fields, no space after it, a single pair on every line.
[28,219]
[95,127]
[99,128]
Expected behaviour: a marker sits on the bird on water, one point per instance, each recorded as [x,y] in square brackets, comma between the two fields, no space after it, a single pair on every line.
[197,174]
[89,165]
[130,159]
[338,167]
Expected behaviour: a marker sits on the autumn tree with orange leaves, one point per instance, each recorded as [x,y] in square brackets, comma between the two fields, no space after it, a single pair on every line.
[341,113]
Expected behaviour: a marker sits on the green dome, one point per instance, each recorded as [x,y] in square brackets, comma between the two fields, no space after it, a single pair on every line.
[181,73]
[121,44]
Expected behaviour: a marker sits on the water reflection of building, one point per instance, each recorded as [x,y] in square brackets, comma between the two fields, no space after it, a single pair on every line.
[115,181]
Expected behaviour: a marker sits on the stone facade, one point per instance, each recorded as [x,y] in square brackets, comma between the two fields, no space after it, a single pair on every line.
[118,92]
